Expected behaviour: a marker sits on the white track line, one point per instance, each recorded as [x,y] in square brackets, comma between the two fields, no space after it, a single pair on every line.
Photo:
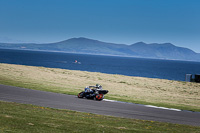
[149,106]
[109,100]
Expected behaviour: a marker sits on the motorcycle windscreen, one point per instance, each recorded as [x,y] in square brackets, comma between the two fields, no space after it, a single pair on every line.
[103,91]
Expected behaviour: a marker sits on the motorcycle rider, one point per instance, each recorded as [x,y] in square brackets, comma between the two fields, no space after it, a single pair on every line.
[93,92]
[88,91]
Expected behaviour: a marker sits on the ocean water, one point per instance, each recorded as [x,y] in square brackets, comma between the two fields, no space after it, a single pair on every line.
[152,68]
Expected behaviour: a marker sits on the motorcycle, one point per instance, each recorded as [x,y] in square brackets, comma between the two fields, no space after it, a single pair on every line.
[96,94]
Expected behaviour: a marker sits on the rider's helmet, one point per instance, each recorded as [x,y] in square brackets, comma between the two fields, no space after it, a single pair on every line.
[98,86]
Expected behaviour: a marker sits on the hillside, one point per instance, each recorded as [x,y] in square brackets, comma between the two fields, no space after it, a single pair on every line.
[89,46]
[165,51]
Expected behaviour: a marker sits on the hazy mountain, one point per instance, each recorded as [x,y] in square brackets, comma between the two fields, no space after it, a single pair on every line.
[89,46]
[165,50]
[84,45]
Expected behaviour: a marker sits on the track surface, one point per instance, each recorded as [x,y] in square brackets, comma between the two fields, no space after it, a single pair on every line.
[127,110]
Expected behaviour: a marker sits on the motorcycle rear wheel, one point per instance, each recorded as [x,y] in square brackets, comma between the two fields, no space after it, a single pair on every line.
[81,95]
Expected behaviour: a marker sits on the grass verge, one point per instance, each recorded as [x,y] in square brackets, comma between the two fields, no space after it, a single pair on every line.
[24,118]
[158,92]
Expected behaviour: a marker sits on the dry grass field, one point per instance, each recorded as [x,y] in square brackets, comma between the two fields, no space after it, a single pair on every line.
[160,92]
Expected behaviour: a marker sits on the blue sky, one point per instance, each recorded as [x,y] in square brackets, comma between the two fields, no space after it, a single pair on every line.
[117,21]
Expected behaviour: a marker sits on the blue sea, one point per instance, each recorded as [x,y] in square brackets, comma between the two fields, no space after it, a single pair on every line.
[152,68]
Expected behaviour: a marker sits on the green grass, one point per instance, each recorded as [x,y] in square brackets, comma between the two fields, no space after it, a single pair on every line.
[36,86]
[24,118]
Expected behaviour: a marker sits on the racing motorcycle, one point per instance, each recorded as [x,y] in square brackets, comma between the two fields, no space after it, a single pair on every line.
[95,93]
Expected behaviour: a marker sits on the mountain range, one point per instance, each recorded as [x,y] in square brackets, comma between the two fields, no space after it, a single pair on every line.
[90,46]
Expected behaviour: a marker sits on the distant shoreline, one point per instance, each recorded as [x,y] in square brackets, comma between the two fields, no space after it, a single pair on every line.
[100,54]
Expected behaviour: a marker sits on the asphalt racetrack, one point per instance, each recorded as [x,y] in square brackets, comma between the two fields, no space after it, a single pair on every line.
[111,108]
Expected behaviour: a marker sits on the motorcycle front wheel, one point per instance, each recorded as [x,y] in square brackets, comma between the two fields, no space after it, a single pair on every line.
[99,97]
